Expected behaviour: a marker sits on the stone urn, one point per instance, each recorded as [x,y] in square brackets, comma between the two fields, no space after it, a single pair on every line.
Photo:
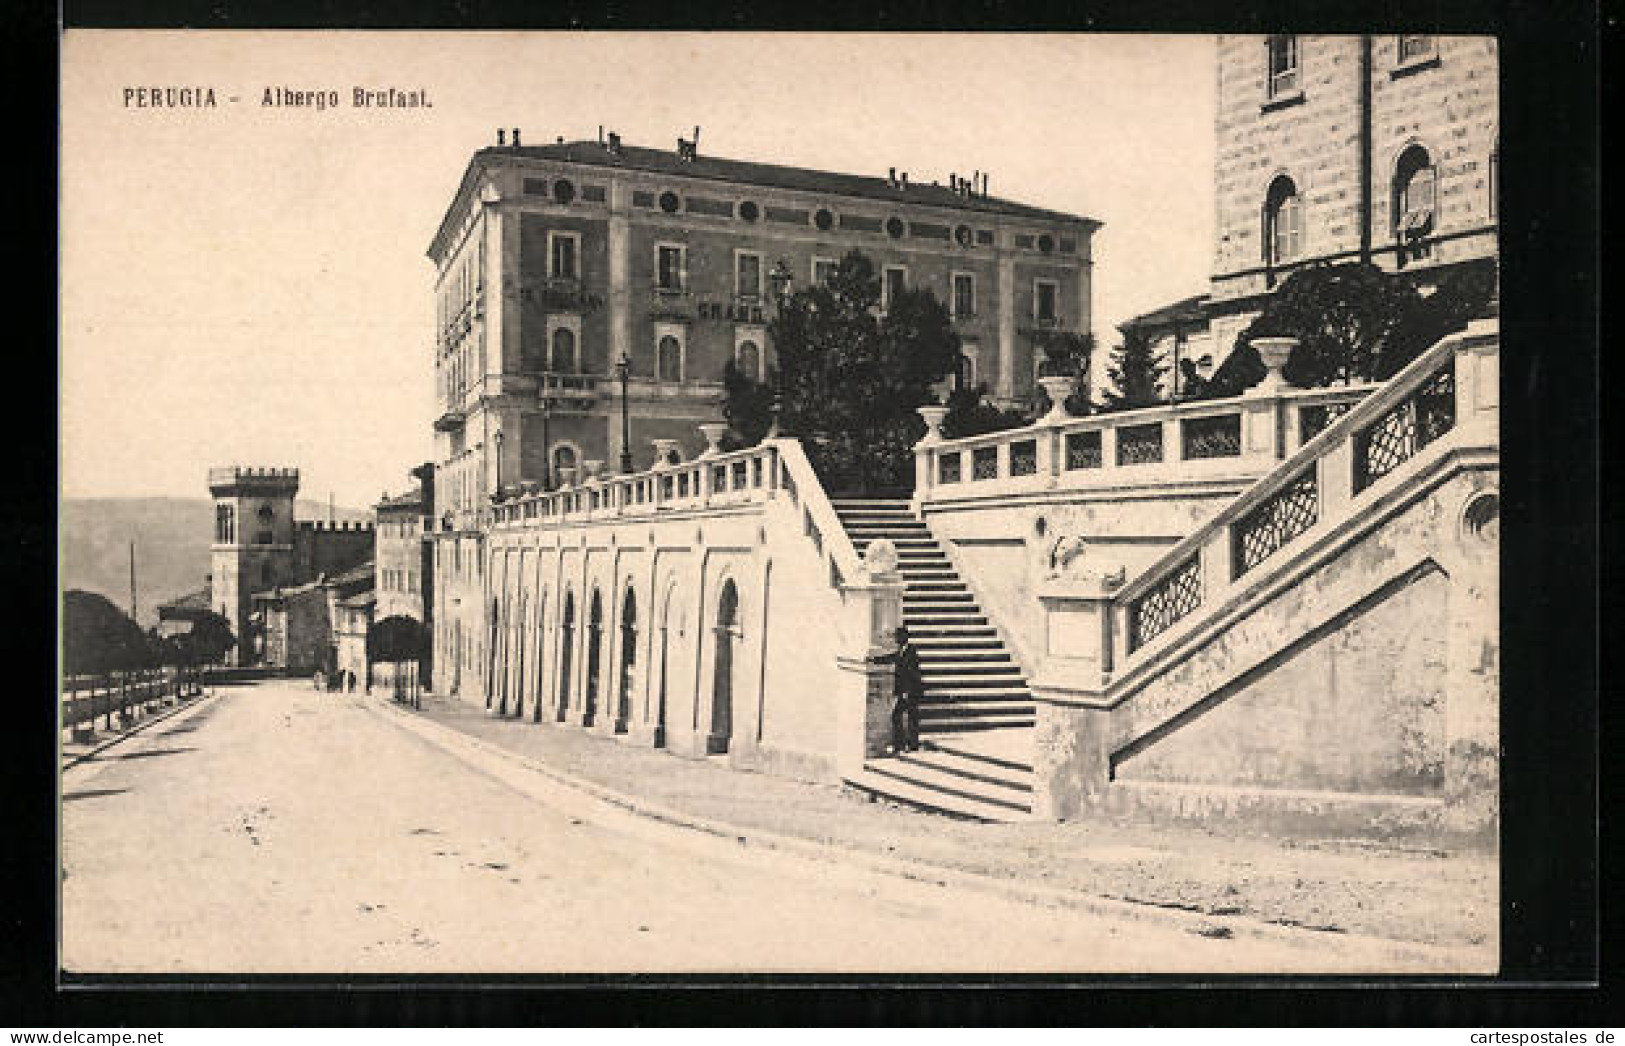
[665,450]
[592,469]
[1057,387]
[713,434]
[932,415]
[1273,353]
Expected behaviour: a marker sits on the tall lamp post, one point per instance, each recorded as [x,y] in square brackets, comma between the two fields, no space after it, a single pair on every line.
[781,279]
[623,370]
[498,492]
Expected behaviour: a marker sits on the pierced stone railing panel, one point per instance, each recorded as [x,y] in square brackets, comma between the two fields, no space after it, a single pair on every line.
[985,463]
[1409,426]
[1175,596]
[1083,450]
[949,467]
[1139,444]
[1216,436]
[1290,512]
[1024,458]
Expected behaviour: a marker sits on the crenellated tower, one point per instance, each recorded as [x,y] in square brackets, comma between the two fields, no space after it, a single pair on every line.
[254,534]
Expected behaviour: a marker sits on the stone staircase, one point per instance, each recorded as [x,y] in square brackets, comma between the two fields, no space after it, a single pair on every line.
[977,714]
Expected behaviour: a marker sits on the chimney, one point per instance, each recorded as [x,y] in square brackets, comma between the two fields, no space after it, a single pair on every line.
[891,177]
[560,139]
[516,137]
[614,143]
[904,181]
[502,136]
[600,134]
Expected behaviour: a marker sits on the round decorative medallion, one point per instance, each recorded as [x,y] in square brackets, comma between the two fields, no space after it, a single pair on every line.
[669,202]
[895,228]
[824,218]
[748,211]
[563,191]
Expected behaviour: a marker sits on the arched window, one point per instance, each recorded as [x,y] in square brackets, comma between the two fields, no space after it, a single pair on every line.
[564,351]
[749,359]
[1283,222]
[670,359]
[1415,198]
[564,457]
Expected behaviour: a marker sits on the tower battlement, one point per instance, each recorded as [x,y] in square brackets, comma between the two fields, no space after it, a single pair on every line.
[338,526]
[225,479]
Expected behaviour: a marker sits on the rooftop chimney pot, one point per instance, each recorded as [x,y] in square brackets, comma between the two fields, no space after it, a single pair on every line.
[502,136]
[516,137]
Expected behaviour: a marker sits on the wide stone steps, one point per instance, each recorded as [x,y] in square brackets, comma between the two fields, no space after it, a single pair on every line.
[963,776]
[975,694]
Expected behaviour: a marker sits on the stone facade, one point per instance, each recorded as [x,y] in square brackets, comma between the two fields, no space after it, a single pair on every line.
[1344,131]
[556,262]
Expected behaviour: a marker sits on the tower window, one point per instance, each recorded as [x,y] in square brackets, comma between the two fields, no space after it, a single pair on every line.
[225,524]
[1283,222]
[1283,66]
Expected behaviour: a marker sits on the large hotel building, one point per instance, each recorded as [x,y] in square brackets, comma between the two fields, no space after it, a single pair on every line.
[580,280]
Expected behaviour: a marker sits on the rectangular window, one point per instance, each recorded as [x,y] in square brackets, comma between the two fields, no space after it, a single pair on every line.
[1045,296]
[1415,47]
[894,280]
[748,275]
[563,251]
[669,267]
[964,298]
[822,270]
[1283,65]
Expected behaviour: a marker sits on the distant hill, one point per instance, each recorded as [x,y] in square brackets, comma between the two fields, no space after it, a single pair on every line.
[172,537]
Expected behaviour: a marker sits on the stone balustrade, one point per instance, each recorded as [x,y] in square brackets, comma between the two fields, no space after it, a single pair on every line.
[1450,387]
[1153,445]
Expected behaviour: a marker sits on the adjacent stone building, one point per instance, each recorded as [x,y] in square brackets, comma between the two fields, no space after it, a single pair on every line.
[1375,148]
[405,558]
[590,294]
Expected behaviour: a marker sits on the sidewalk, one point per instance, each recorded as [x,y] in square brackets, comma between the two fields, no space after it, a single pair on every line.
[1423,897]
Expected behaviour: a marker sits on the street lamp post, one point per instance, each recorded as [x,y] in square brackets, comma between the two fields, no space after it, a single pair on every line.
[499,463]
[781,278]
[623,370]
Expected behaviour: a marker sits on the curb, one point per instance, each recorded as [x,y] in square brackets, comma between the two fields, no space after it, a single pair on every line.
[196,702]
[1444,959]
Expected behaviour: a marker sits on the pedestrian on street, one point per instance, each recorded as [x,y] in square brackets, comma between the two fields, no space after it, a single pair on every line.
[908,688]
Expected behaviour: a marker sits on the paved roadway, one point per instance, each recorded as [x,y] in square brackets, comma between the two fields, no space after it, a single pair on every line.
[274,829]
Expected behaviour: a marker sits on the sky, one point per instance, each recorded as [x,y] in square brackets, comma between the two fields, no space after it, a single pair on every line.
[248,284]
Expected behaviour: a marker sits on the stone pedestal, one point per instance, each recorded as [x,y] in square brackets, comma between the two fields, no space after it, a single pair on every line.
[1071,761]
[873,610]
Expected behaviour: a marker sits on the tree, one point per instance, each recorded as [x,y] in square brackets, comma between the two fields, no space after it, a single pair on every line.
[396,638]
[747,406]
[1353,322]
[98,637]
[970,414]
[211,637]
[1134,372]
[1341,316]
[851,378]
[1065,354]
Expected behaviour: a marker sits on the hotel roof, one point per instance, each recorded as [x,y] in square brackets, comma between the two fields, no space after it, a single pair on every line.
[766,175]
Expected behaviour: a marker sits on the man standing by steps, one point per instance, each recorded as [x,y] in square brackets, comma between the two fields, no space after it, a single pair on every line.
[908,688]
